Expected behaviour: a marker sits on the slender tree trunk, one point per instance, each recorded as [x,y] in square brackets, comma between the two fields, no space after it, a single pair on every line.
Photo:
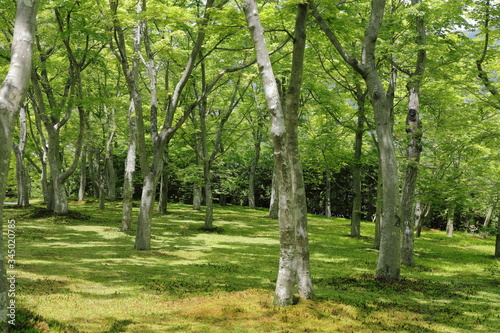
[328,194]
[389,261]
[450,218]
[421,212]
[487,219]
[253,168]
[101,176]
[356,171]
[22,175]
[83,175]
[497,239]
[163,193]
[410,181]
[128,181]
[414,130]
[12,94]
[274,204]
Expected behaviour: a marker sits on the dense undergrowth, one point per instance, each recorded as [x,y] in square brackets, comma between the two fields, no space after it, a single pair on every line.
[78,273]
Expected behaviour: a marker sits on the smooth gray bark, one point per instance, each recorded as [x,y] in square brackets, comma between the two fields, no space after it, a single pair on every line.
[22,175]
[357,166]
[497,239]
[294,250]
[328,194]
[131,73]
[151,172]
[421,212]
[450,219]
[128,184]
[273,203]
[83,175]
[389,261]
[12,95]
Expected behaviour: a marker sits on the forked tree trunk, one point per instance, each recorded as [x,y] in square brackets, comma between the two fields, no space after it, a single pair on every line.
[294,251]
[12,94]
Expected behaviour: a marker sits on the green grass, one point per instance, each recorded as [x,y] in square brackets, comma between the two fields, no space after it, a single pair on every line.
[78,273]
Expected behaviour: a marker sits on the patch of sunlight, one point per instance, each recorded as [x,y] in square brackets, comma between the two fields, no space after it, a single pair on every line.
[80,245]
[328,259]
[103,232]
[226,241]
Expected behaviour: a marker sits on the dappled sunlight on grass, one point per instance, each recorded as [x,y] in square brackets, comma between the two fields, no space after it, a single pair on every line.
[80,274]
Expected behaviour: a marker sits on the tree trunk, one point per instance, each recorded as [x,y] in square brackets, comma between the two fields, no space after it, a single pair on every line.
[83,176]
[451,217]
[143,234]
[294,250]
[274,204]
[128,183]
[253,167]
[497,239]
[12,94]
[304,283]
[421,212]
[410,182]
[328,194]
[414,130]
[22,175]
[356,170]
[389,261]
[487,219]
[163,192]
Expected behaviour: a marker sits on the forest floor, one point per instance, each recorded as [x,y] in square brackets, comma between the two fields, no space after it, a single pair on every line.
[79,273]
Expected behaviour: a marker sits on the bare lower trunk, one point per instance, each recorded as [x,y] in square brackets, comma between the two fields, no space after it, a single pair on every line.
[111,178]
[421,212]
[356,181]
[497,240]
[83,176]
[143,234]
[251,178]
[274,204]
[163,197]
[328,194]
[209,202]
[197,196]
[487,219]
[450,218]
[128,184]
[22,175]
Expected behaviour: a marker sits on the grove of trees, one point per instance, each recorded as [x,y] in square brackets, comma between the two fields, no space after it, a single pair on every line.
[370,110]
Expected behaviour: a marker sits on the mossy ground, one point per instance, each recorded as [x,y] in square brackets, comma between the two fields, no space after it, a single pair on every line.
[79,273]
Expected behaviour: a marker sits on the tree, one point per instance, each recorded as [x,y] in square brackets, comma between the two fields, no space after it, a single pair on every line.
[294,253]
[12,94]
[382,100]
[414,131]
